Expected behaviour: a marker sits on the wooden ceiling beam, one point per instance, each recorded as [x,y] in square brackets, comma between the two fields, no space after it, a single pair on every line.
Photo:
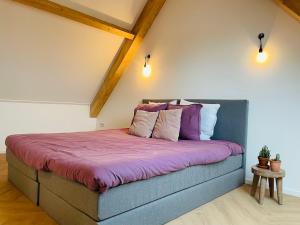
[80,17]
[292,7]
[125,55]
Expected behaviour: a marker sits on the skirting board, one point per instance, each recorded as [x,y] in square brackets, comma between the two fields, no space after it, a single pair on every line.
[286,190]
[154,213]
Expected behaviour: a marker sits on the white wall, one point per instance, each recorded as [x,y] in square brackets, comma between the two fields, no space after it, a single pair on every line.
[45,57]
[207,49]
[18,117]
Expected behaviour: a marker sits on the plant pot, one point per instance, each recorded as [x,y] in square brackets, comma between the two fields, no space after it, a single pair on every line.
[275,165]
[263,162]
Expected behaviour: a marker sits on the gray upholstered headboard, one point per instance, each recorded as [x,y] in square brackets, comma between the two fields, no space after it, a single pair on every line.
[232,119]
[232,123]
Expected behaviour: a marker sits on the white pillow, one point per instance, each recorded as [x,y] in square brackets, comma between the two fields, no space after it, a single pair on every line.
[174,102]
[208,118]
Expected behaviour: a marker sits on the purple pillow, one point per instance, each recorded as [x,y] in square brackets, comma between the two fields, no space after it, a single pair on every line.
[151,107]
[190,120]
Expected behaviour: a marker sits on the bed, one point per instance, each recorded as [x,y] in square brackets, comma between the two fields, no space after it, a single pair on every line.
[149,201]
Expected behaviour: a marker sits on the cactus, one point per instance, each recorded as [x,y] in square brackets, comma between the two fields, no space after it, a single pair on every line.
[264,152]
[277,158]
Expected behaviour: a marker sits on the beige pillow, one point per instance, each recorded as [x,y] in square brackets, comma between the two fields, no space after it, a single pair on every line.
[143,123]
[168,125]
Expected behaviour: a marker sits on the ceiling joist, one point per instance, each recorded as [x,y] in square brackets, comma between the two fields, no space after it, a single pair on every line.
[125,54]
[80,17]
[292,7]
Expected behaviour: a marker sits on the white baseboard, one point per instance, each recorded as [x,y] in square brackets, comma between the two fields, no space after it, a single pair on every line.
[292,192]
[286,190]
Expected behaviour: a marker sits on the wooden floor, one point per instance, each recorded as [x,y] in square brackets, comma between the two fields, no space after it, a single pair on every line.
[234,208]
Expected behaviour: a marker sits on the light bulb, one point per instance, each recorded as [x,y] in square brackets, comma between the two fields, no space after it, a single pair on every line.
[261,57]
[147,70]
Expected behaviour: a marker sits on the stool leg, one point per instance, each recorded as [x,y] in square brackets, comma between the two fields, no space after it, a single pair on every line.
[271,187]
[279,190]
[254,184]
[263,182]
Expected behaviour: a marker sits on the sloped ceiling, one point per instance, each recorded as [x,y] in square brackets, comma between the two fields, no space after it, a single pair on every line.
[123,13]
[44,57]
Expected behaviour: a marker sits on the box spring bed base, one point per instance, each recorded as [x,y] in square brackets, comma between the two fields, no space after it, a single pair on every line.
[154,213]
[23,177]
[125,197]
[29,187]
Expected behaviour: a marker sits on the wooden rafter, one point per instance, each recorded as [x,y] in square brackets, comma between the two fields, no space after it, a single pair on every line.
[125,54]
[292,7]
[80,17]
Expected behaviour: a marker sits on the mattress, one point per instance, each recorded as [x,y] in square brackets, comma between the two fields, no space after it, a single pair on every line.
[128,196]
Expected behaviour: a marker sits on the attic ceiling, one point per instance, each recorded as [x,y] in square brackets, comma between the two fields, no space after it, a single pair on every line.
[49,58]
[123,13]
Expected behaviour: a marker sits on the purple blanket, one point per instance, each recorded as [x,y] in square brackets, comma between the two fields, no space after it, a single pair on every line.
[104,159]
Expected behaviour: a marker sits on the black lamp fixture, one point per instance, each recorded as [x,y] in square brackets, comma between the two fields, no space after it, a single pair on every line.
[262,56]
[261,36]
[147,67]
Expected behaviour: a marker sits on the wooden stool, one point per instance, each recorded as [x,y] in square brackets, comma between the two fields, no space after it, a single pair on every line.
[265,174]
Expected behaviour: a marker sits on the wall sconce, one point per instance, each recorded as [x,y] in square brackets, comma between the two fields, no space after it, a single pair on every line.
[147,67]
[261,56]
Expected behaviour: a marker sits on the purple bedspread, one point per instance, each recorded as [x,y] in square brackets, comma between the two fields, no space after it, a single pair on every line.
[104,159]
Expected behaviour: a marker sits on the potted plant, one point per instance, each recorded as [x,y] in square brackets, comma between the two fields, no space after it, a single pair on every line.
[276,163]
[264,157]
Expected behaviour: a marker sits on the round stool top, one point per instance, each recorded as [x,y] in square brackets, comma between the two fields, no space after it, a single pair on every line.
[267,172]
